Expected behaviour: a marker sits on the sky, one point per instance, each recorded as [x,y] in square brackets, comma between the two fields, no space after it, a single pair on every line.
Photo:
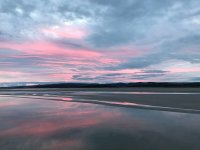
[99,41]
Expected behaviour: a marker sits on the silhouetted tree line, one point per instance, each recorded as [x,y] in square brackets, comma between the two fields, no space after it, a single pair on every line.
[114,85]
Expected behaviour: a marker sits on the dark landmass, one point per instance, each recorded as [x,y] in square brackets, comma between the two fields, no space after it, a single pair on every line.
[112,85]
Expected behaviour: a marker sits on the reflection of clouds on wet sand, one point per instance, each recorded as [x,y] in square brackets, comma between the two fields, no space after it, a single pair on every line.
[7,102]
[42,119]
[57,124]
[48,125]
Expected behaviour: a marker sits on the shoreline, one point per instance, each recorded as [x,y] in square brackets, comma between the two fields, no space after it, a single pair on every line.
[178,98]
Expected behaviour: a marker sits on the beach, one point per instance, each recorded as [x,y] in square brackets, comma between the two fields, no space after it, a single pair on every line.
[94,119]
[186,98]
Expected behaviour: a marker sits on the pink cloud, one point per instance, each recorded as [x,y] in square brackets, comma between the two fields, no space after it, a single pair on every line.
[184,70]
[54,62]
[62,76]
[10,73]
[48,49]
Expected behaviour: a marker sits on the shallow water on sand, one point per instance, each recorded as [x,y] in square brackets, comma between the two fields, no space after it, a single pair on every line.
[42,124]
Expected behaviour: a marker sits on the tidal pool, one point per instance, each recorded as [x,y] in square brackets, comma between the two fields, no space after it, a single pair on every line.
[42,124]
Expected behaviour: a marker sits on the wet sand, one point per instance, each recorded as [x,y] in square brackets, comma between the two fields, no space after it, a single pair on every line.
[30,124]
[183,98]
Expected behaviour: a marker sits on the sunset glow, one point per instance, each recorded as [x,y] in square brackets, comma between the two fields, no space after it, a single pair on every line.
[90,41]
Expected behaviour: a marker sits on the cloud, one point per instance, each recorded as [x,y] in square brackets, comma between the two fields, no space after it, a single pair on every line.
[98,40]
[126,22]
